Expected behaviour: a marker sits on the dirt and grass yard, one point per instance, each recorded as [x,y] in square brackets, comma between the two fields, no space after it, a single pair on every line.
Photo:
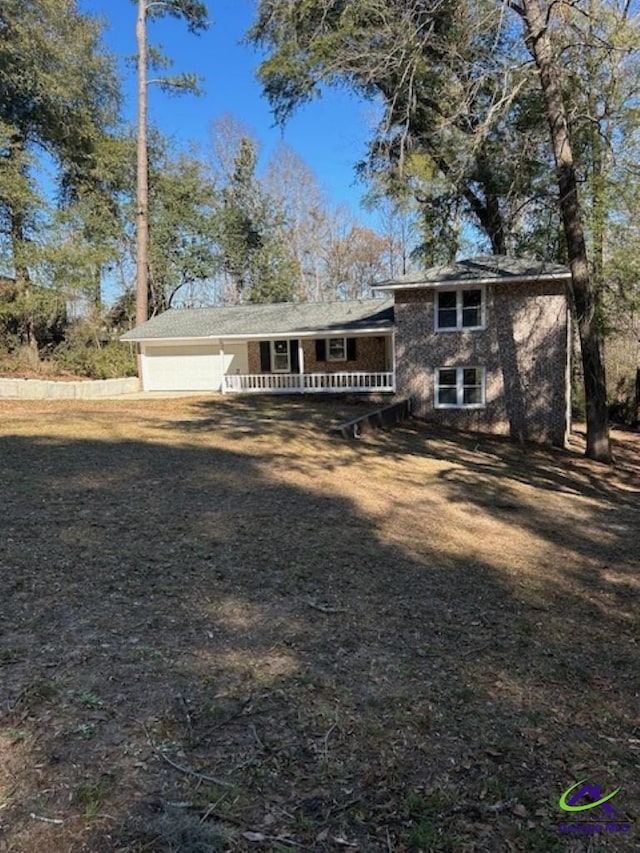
[223,630]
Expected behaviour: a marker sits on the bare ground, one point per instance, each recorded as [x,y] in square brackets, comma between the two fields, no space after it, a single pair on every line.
[221,629]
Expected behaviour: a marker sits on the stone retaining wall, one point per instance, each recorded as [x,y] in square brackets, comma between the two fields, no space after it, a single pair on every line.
[48,389]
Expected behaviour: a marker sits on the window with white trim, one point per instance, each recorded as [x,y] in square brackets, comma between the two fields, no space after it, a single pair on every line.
[460,309]
[460,388]
[336,349]
[280,357]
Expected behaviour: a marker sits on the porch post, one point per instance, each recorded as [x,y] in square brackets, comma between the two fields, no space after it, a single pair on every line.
[222,364]
[393,359]
[301,364]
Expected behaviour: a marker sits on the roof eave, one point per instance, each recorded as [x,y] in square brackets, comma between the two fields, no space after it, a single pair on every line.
[324,332]
[126,340]
[460,282]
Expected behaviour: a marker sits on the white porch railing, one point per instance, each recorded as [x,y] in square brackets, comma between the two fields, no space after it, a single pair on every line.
[308,383]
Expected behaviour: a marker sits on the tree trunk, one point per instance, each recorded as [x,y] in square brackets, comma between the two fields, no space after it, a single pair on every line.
[17,248]
[600,142]
[486,210]
[17,213]
[23,282]
[635,415]
[495,227]
[97,289]
[489,216]
[582,289]
[142,220]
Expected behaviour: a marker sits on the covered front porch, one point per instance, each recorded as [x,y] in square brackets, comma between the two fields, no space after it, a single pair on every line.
[333,364]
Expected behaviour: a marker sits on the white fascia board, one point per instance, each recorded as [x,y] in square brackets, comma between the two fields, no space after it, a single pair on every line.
[269,336]
[172,340]
[466,282]
[317,333]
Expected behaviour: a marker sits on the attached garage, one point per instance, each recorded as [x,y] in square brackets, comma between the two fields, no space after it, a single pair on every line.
[221,349]
[190,367]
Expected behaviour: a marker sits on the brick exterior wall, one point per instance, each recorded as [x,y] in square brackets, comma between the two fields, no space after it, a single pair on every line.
[253,356]
[371,355]
[523,349]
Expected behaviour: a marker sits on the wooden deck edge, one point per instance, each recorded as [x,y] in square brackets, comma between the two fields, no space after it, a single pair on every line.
[388,416]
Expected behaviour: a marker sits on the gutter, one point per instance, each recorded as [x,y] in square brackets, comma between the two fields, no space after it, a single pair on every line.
[265,336]
[471,282]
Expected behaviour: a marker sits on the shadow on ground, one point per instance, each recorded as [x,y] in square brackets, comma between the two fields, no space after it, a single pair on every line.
[226,621]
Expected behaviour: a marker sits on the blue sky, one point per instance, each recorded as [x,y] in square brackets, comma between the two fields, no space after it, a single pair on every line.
[329,134]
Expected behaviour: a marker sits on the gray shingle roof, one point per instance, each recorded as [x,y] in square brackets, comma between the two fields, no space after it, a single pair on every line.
[484,269]
[283,318]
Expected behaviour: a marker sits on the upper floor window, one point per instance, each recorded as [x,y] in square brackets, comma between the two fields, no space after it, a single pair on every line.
[460,309]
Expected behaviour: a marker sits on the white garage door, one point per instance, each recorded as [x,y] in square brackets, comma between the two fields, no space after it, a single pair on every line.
[182,368]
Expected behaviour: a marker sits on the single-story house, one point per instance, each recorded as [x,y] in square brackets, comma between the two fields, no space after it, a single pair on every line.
[344,346]
[483,344]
